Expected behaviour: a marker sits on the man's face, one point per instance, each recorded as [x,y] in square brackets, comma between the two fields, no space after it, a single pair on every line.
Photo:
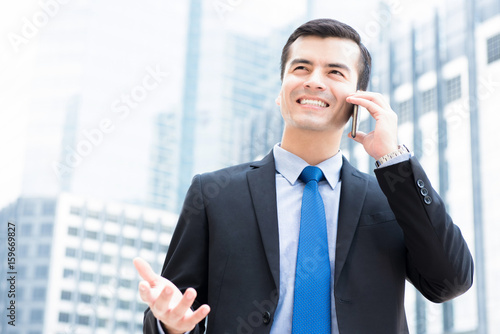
[320,73]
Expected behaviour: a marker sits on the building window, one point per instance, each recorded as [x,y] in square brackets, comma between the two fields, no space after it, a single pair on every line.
[129,242]
[429,100]
[49,208]
[404,111]
[39,293]
[130,222]
[70,252]
[126,260]
[89,255]
[75,211]
[19,293]
[147,245]
[493,45]
[107,258]
[149,226]
[167,229]
[73,231]
[26,229]
[86,277]
[65,295]
[110,238]
[21,272]
[103,322]
[125,283]
[23,250]
[64,317]
[83,320]
[67,273]
[36,316]
[121,325]
[43,250]
[29,207]
[164,248]
[104,300]
[41,272]
[91,235]
[112,218]
[453,89]
[93,214]
[46,229]
[85,298]
[105,279]
[123,304]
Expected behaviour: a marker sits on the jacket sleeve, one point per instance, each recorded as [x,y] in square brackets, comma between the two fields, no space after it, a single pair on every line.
[439,263]
[186,263]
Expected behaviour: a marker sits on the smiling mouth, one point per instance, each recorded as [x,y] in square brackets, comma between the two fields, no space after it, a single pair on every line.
[315,103]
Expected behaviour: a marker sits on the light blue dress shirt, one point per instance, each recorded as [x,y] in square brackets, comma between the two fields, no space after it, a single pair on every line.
[289,190]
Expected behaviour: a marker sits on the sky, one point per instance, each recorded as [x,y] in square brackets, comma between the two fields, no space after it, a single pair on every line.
[19,58]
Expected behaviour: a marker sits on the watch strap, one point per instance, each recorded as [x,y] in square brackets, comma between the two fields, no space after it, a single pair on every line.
[402,149]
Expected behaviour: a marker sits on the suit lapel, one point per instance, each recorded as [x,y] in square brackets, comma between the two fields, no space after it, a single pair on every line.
[352,196]
[262,185]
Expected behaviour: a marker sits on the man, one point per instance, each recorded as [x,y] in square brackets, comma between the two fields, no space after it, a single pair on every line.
[237,253]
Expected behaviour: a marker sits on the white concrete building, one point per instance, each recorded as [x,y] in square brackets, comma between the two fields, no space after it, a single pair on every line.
[74,263]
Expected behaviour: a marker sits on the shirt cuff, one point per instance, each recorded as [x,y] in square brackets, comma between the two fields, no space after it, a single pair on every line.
[160,328]
[395,160]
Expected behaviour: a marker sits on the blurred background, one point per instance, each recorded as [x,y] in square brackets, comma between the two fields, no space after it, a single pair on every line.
[108,109]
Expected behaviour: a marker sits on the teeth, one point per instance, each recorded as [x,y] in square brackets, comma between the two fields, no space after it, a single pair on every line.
[313,102]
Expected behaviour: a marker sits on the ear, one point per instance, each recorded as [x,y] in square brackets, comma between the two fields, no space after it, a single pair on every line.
[278,100]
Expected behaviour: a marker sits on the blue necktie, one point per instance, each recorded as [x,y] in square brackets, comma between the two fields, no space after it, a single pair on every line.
[312,297]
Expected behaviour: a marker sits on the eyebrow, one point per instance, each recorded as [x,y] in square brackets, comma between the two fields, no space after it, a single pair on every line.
[308,62]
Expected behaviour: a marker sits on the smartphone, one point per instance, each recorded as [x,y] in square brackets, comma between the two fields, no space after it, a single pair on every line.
[354,120]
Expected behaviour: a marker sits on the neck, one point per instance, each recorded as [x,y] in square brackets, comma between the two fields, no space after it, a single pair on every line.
[311,146]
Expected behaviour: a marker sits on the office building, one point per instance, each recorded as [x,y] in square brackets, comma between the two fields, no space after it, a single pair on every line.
[74,263]
[440,74]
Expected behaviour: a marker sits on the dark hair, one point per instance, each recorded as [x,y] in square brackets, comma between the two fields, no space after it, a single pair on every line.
[331,28]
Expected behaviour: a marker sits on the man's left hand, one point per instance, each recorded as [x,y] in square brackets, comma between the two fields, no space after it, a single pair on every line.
[384,139]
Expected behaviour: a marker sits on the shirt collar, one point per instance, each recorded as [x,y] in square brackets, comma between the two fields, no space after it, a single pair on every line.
[290,166]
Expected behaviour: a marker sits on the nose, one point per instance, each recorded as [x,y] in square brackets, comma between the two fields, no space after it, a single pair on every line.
[315,81]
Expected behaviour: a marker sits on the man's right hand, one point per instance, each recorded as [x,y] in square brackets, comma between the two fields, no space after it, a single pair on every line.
[167,302]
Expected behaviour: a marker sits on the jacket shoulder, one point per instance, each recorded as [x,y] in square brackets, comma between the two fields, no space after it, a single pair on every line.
[238,171]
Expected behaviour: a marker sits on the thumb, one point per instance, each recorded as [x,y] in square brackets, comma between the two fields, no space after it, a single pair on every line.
[360,136]
[145,270]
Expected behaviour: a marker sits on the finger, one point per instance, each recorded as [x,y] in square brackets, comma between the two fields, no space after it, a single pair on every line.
[377,98]
[198,315]
[145,293]
[190,319]
[162,304]
[145,270]
[184,304]
[372,107]
[360,136]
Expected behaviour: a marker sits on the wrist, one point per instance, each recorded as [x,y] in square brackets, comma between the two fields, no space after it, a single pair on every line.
[387,150]
[401,149]
[169,331]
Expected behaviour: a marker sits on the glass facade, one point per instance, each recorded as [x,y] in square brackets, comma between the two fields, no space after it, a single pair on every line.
[437,74]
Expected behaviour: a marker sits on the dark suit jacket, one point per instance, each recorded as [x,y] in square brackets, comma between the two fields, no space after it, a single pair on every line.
[391,228]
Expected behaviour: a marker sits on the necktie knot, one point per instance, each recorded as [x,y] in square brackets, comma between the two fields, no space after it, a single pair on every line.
[311,173]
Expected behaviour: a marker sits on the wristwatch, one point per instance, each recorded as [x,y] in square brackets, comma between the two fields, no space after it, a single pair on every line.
[402,149]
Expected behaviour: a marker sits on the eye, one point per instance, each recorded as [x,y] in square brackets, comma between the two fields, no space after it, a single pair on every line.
[300,67]
[337,72]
